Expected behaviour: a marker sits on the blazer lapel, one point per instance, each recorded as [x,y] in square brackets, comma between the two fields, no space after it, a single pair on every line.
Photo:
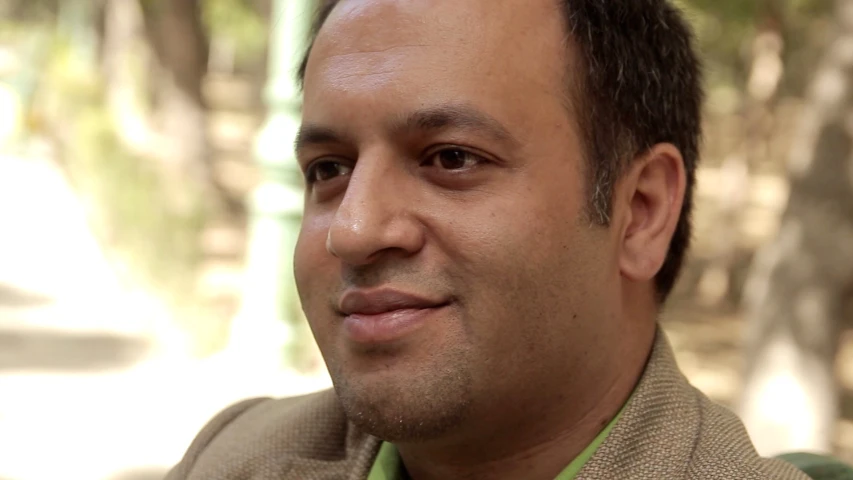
[670,430]
[658,428]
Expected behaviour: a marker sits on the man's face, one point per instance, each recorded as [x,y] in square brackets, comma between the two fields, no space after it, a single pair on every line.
[445,263]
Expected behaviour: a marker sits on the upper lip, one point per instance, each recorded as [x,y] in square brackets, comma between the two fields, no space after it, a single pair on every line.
[376,302]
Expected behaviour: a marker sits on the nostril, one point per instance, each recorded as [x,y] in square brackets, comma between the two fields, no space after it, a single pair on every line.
[359,237]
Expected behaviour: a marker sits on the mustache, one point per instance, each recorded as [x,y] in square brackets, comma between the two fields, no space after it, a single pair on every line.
[385,273]
[406,277]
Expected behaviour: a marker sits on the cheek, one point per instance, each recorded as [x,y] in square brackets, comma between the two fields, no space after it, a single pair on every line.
[524,268]
[538,316]
[312,262]
[314,270]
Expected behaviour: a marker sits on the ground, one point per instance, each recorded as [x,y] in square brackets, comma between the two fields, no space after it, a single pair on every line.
[94,384]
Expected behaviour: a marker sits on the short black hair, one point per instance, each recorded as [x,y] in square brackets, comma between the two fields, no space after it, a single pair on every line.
[639,84]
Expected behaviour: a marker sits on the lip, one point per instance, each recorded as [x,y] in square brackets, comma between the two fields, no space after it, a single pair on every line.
[386,315]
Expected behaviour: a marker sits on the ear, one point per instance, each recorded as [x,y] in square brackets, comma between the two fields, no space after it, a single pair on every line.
[652,193]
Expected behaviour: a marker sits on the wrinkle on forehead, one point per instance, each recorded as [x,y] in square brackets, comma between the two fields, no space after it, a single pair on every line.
[354,61]
[383,68]
[381,50]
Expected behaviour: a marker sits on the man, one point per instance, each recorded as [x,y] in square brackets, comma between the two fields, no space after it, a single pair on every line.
[497,205]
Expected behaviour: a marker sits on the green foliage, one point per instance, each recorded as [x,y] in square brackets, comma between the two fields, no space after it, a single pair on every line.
[28,10]
[125,193]
[237,21]
[162,244]
[725,29]
[819,467]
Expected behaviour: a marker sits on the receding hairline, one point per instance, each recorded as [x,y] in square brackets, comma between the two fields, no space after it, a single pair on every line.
[572,73]
[326,7]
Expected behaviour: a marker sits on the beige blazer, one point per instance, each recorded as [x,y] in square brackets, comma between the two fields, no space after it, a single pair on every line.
[668,431]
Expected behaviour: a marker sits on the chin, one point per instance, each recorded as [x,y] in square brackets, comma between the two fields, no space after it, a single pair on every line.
[405,407]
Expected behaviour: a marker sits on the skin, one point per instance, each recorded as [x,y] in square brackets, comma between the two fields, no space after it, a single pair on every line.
[443,160]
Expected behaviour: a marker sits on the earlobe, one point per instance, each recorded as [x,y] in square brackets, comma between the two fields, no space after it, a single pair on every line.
[656,184]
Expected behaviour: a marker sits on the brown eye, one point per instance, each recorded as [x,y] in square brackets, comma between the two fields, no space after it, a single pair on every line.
[326,170]
[454,159]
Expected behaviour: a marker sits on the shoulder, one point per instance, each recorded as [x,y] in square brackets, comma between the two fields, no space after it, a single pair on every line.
[671,430]
[273,438]
[723,449]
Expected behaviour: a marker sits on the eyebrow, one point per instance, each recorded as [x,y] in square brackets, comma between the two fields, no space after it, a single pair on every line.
[442,117]
[453,116]
[311,134]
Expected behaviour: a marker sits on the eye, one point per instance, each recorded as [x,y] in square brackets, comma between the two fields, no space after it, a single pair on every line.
[453,158]
[325,170]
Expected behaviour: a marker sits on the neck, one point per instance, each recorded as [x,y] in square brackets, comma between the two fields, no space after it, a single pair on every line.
[543,440]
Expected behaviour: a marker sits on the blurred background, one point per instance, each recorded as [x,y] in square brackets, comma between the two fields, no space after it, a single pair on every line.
[149,204]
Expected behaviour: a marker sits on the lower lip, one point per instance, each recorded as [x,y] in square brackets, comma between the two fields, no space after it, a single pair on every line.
[386,327]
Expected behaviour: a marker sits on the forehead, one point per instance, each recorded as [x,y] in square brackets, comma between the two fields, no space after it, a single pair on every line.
[505,53]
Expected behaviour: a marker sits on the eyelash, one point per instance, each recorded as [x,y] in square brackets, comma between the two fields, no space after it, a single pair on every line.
[311,171]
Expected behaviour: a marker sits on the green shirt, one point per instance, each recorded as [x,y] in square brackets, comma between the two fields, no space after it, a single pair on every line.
[388,465]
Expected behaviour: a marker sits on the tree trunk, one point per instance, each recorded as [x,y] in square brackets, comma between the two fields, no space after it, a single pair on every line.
[795,294]
[180,43]
[767,68]
[123,61]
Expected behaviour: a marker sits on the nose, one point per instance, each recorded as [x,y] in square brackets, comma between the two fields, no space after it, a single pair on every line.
[375,216]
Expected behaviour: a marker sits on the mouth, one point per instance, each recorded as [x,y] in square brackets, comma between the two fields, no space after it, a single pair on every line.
[384,316]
